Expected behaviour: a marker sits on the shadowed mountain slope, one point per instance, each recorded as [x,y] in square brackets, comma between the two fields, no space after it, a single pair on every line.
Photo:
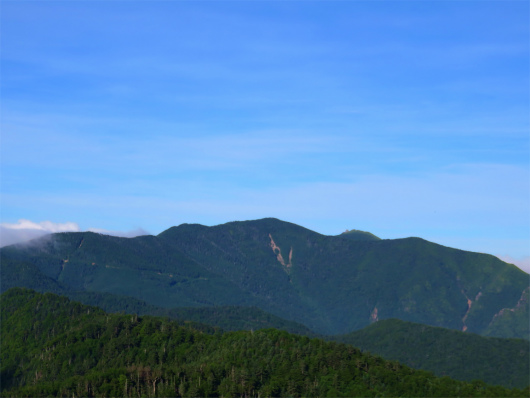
[512,321]
[461,356]
[225,317]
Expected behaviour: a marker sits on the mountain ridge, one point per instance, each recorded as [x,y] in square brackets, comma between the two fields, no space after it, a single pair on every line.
[331,284]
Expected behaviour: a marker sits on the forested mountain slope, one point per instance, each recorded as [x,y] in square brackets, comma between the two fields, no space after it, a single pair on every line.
[461,356]
[512,321]
[53,347]
[331,284]
[16,273]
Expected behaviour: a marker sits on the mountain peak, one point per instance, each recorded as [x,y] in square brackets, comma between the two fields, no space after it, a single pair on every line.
[356,234]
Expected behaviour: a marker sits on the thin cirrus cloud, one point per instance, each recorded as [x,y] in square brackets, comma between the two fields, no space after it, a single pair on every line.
[208,151]
[88,148]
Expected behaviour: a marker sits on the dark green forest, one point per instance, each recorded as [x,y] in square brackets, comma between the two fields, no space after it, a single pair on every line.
[462,356]
[54,347]
[25,274]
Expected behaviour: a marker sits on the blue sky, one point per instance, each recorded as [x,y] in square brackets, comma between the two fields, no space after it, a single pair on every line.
[399,118]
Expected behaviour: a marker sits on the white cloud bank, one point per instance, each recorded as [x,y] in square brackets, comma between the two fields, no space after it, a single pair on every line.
[26,230]
[46,226]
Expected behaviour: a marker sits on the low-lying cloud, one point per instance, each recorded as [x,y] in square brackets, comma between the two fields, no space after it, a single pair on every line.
[47,226]
[26,230]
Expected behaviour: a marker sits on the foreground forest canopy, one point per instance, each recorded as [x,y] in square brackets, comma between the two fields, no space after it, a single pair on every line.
[54,347]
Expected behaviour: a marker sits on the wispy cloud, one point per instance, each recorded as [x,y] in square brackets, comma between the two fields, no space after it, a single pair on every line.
[46,226]
[145,153]
[26,230]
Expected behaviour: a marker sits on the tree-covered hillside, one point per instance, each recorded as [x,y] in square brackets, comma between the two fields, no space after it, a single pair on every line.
[53,347]
[462,356]
[16,273]
[512,322]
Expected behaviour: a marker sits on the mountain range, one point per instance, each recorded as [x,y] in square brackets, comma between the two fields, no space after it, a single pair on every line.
[328,284]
